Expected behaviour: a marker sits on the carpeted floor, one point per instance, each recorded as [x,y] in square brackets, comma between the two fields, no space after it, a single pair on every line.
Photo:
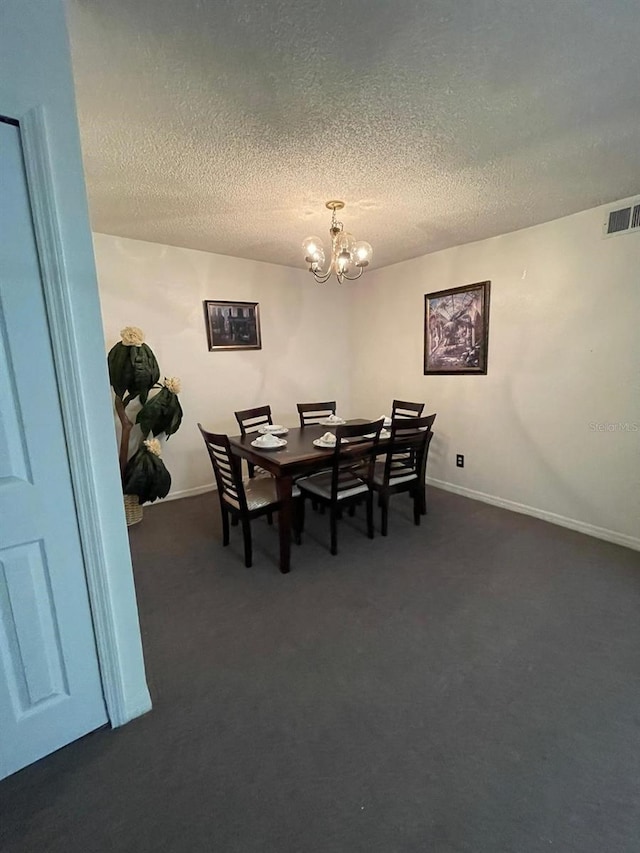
[469,685]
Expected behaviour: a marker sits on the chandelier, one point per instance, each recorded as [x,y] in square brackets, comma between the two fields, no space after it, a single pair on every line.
[348,257]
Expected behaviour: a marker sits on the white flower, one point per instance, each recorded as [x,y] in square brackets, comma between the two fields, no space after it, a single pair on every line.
[153,446]
[132,336]
[173,384]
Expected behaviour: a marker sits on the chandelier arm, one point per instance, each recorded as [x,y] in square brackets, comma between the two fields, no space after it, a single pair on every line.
[353,277]
[322,278]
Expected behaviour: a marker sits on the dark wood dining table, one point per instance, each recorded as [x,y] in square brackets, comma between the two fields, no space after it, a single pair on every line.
[297,458]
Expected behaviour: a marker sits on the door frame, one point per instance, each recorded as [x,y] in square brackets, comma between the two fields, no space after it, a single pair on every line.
[66,358]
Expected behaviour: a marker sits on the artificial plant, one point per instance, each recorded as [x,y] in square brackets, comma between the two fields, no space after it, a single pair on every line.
[134,375]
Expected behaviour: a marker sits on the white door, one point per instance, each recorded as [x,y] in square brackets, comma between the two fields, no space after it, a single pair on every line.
[50,689]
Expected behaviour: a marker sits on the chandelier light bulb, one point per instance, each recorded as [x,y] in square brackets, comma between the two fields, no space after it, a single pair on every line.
[312,248]
[317,260]
[343,261]
[362,253]
[345,242]
[348,257]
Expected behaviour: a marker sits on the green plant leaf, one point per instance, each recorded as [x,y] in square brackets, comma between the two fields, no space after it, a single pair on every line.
[176,416]
[120,368]
[145,371]
[146,476]
[161,413]
[132,369]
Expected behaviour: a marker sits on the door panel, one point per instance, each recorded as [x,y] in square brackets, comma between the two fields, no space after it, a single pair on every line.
[50,689]
[31,628]
[13,456]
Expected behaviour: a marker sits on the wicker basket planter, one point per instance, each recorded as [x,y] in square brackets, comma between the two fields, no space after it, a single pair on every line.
[132,509]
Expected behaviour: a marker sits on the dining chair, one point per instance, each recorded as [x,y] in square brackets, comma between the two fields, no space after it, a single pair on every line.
[244,502]
[404,409]
[249,421]
[349,480]
[404,467]
[313,413]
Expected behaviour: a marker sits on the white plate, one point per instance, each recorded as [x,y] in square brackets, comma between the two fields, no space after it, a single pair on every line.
[257,443]
[327,422]
[274,429]
[319,443]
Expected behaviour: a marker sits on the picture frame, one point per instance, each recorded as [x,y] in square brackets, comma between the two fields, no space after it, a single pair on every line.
[456,330]
[232,325]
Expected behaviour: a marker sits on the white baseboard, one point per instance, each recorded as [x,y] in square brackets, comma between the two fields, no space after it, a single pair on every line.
[581,526]
[198,490]
[189,493]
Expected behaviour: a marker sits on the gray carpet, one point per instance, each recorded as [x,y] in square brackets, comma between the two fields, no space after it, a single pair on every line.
[469,685]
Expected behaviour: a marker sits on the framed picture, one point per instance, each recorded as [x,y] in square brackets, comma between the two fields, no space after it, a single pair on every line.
[456,329]
[232,325]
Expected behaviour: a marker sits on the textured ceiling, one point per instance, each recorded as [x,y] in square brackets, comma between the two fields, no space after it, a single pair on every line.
[225,126]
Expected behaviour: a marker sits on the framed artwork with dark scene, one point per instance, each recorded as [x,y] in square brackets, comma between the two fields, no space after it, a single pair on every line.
[232,325]
[456,329]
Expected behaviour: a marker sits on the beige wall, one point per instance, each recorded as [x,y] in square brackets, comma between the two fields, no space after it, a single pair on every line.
[305,351]
[564,356]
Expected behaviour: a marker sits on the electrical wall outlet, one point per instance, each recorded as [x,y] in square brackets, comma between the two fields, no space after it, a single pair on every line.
[459,460]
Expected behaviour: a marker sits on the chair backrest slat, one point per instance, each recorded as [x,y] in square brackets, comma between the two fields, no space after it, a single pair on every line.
[405,409]
[249,420]
[226,467]
[313,413]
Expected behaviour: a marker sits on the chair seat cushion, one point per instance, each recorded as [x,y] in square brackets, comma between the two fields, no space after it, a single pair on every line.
[320,484]
[395,479]
[260,493]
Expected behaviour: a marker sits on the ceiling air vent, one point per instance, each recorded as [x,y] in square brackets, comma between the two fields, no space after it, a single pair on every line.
[624,220]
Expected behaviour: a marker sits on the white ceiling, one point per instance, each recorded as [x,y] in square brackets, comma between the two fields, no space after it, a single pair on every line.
[224,125]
